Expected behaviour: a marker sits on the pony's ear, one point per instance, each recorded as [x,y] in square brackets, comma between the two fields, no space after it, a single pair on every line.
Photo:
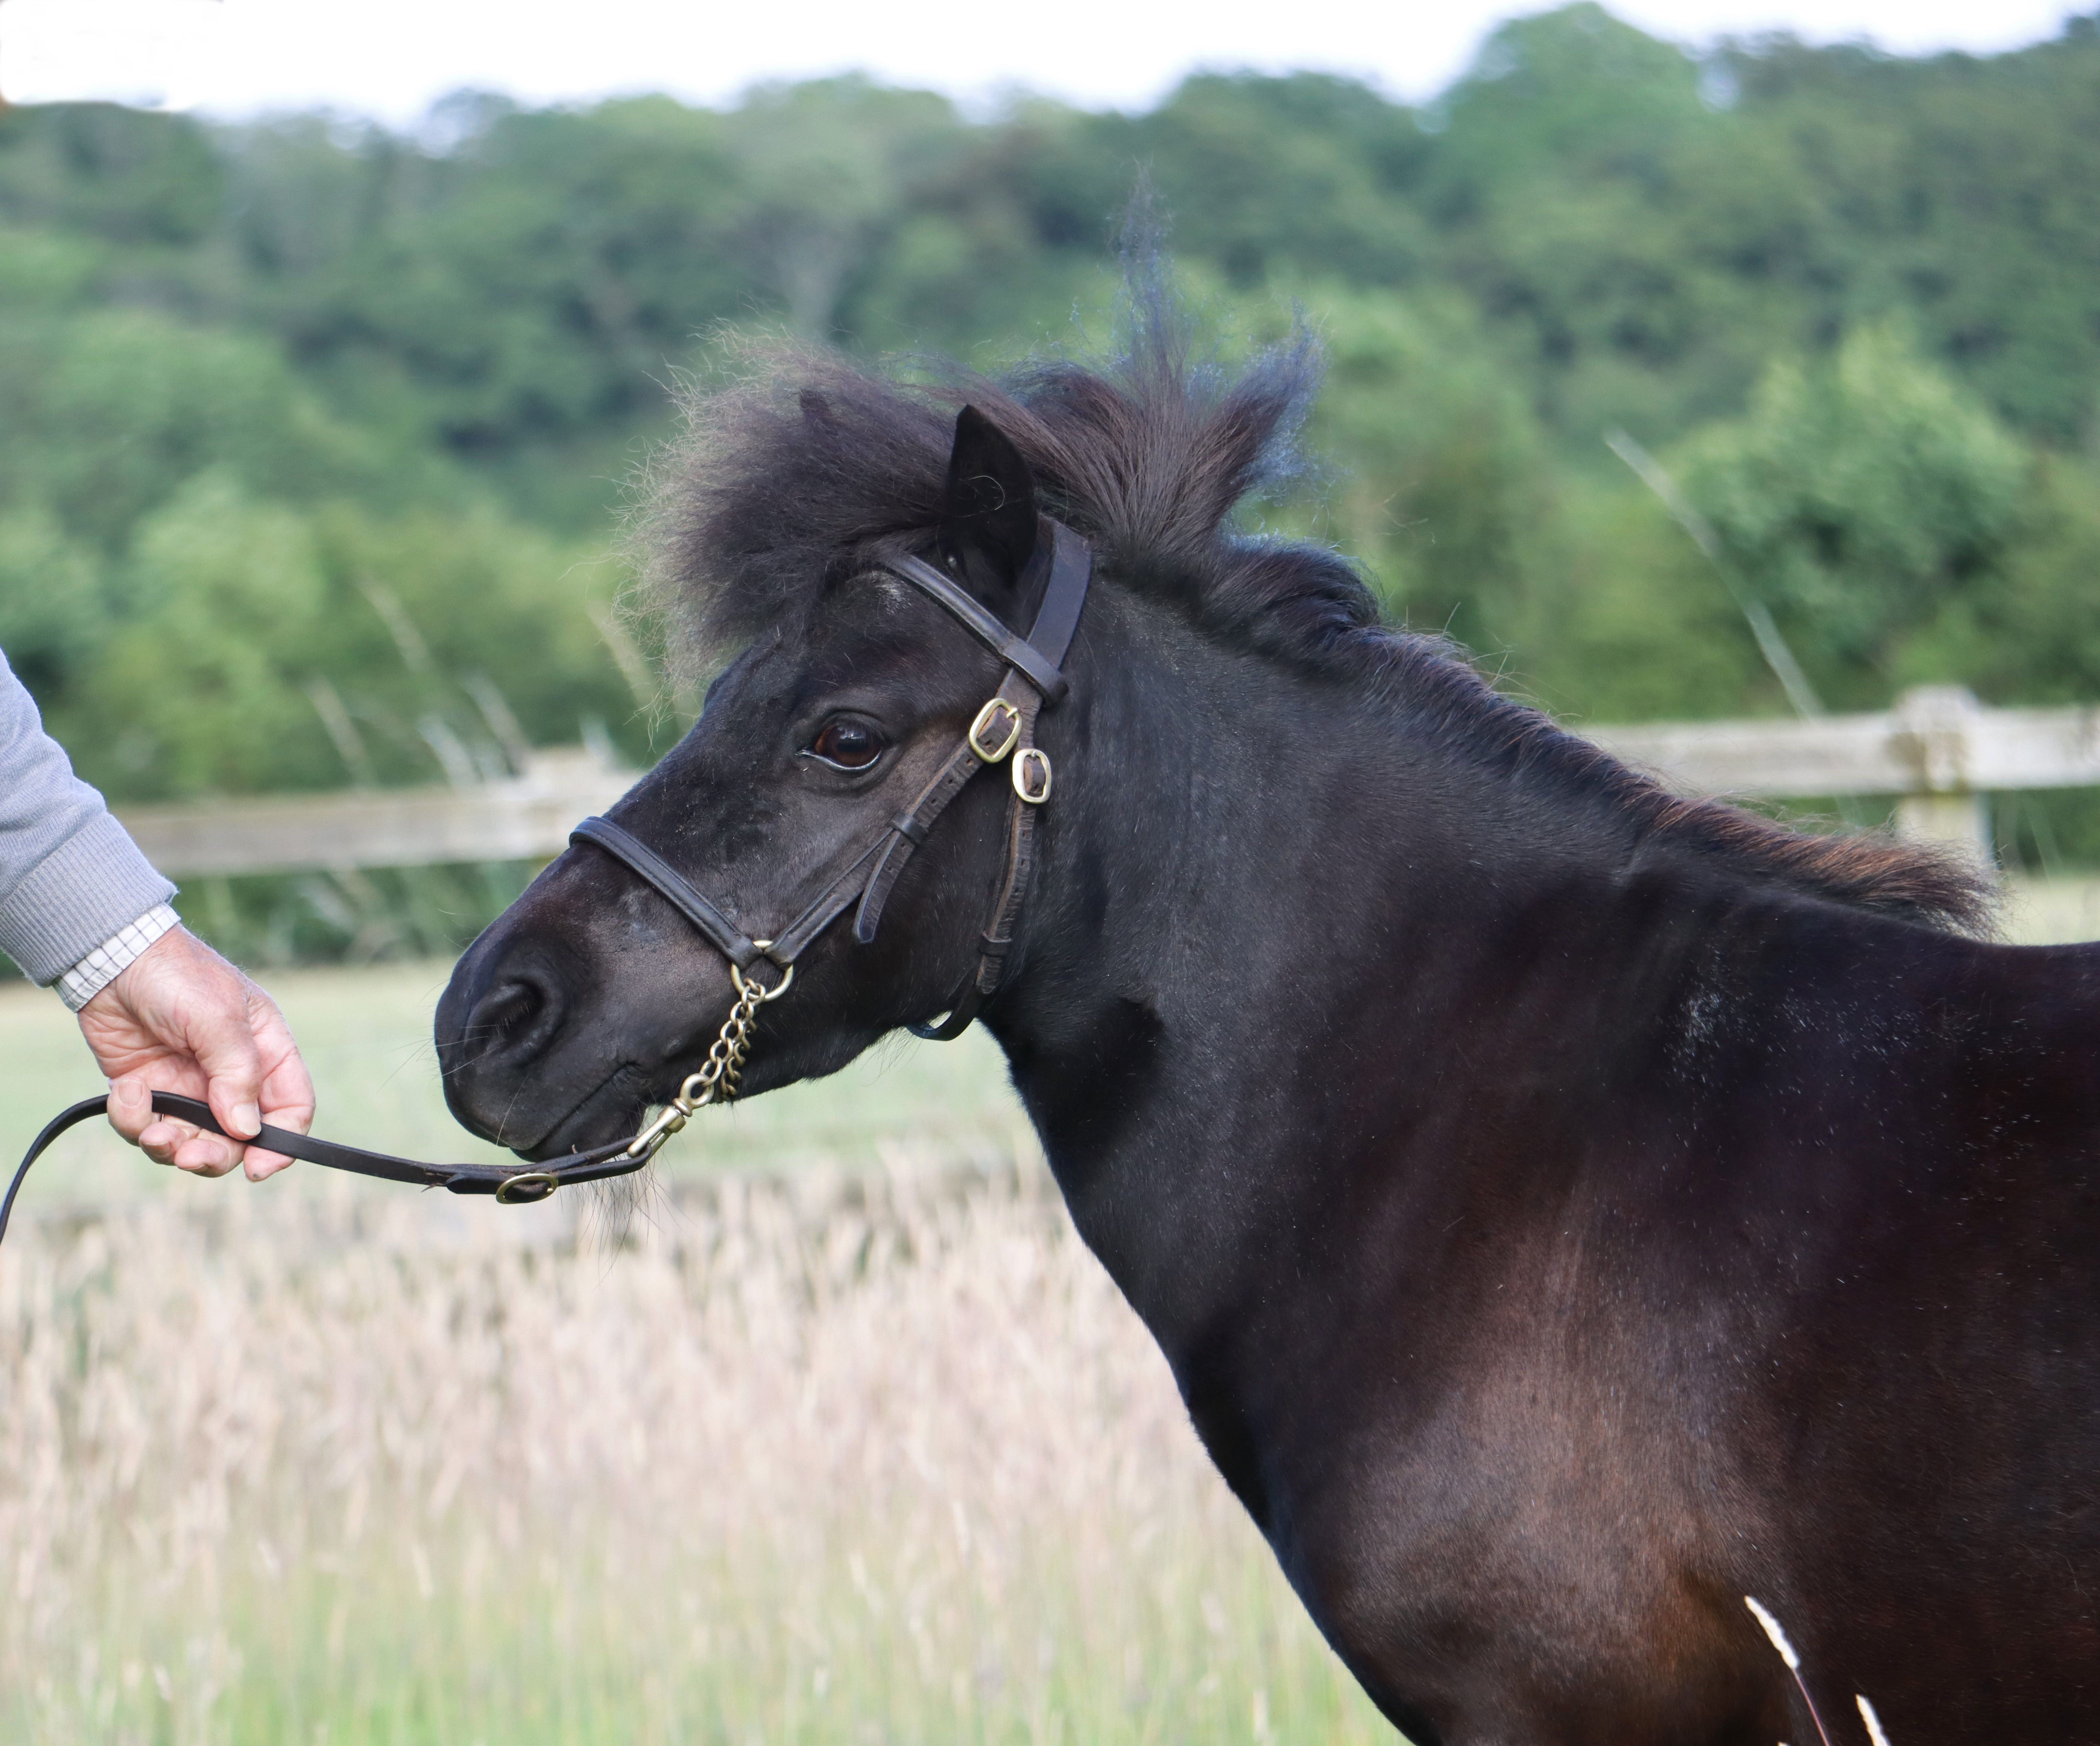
[990,532]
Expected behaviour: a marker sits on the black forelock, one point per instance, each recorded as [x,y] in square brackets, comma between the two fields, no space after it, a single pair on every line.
[785,471]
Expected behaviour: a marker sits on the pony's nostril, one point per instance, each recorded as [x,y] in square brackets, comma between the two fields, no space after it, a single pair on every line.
[506,1017]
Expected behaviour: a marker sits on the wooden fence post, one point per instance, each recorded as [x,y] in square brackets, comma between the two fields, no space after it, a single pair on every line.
[1939,752]
[1937,729]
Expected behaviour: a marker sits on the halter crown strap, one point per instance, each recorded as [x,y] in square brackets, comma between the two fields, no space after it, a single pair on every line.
[1049,639]
[1034,665]
[1040,656]
[1064,599]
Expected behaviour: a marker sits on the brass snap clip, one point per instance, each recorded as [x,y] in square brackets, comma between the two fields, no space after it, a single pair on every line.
[526,1186]
[996,731]
[650,1141]
[1031,775]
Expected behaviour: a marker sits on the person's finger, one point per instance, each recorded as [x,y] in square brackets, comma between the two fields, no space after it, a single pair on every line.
[224,1042]
[207,1154]
[131,1107]
[189,1148]
[288,1088]
[164,1138]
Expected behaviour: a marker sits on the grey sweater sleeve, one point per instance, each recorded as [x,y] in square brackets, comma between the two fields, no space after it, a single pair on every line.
[70,878]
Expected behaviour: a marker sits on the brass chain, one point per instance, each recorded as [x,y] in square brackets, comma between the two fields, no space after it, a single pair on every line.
[717,1079]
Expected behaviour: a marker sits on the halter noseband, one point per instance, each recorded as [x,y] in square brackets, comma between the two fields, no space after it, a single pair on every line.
[1003,728]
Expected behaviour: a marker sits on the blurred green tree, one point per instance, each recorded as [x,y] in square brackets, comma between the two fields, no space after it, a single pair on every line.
[1279,179]
[441,349]
[256,646]
[1443,486]
[54,598]
[1857,499]
[147,181]
[187,692]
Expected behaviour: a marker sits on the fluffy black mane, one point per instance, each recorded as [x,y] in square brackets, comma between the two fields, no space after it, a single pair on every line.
[805,457]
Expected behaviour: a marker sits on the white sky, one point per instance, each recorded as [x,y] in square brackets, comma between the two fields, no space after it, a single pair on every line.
[390,57]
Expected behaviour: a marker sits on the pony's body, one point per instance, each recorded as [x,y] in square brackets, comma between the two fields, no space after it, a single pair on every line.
[1565,1211]
[1554,1247]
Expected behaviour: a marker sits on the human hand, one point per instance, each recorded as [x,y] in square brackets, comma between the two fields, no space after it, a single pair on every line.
[181,1018]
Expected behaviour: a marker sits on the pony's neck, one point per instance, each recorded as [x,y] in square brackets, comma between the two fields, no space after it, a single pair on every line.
[1243,870]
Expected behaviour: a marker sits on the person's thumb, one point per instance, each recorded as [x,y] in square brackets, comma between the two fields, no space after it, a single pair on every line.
[224,1045]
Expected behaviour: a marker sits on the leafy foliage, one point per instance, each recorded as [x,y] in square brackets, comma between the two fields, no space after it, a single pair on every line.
[256,383]
[1861,498]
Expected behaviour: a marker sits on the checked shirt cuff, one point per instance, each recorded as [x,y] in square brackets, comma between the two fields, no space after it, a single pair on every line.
[114,956]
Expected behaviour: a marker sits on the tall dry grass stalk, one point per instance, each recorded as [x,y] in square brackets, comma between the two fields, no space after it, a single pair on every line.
[902,1471]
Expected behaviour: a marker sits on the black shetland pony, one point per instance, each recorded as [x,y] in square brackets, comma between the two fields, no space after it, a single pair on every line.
[1567,1209]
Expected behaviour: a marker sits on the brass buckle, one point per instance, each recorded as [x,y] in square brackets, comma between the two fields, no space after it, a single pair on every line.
[544,1182]
[1000,715]
[1032,758]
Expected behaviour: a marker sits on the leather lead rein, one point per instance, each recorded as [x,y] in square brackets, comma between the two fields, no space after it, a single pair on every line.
[512,1187]
[1003,730]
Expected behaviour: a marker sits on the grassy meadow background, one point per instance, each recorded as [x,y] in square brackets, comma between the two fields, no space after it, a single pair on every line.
[829,1431]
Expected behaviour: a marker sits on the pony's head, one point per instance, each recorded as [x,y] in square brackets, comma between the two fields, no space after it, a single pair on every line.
[837,692]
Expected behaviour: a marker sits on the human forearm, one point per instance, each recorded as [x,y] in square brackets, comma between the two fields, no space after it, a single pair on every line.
[70,878]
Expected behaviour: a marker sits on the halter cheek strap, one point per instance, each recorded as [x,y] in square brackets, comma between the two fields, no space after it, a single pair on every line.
[1004,729]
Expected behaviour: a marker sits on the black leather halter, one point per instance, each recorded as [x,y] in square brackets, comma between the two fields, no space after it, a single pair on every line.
[1003,730]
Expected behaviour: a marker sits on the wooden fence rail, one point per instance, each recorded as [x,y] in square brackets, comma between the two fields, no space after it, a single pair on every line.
[525,819]
[1939,749]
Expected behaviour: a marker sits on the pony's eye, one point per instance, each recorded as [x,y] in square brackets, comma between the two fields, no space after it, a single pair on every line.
[851,745]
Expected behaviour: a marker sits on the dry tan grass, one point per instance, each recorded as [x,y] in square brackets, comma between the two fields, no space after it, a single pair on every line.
[907,1470]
